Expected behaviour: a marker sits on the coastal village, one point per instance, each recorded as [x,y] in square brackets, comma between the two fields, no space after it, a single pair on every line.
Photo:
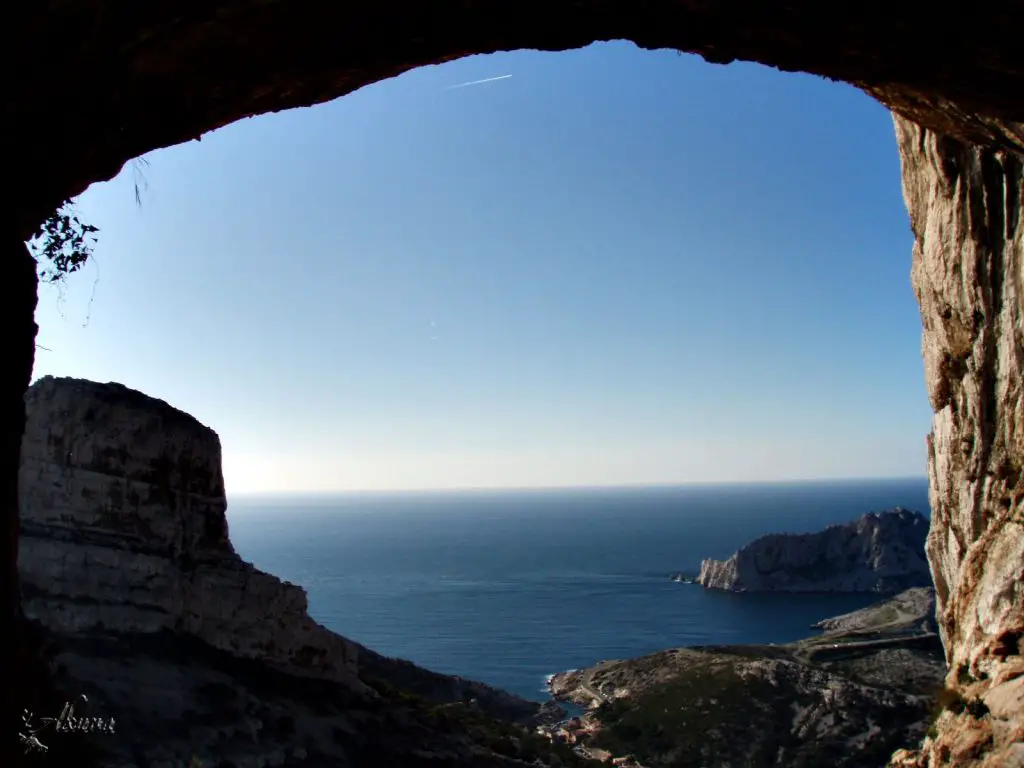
[578,732]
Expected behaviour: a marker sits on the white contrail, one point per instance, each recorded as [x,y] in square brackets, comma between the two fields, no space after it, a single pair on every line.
[478,82]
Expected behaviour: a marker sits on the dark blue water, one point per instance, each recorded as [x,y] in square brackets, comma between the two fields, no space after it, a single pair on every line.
[507,587]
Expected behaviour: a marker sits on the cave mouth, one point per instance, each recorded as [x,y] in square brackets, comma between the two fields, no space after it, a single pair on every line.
[669,172]
[137,80]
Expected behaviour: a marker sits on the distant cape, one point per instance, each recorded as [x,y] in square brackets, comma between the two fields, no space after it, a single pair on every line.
[878,552]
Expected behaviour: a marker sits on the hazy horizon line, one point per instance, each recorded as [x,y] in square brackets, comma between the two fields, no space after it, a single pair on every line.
[572,487]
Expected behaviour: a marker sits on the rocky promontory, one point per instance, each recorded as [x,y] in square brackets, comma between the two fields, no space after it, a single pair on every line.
[151,619]
[878,552]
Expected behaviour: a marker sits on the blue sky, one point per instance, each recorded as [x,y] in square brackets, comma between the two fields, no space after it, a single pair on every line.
[613,267]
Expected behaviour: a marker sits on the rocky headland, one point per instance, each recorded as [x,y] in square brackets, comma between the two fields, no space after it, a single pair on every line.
[146,611]
[878,552]
[847,697]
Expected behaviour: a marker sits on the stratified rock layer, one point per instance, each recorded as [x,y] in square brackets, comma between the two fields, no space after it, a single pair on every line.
[124,530]
[875,553]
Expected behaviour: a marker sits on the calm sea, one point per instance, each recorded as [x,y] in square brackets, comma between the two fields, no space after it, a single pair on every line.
[507,587]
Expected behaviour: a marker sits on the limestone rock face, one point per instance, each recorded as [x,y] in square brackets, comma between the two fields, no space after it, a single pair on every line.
[965,210]
[875,553]
[124,530]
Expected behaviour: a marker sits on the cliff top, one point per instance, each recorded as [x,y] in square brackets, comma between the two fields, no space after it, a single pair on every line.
[117,395]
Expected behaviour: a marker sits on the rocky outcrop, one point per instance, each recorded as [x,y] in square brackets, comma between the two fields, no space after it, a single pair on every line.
[146,609]
[965,210]
[846,698]
[875,553]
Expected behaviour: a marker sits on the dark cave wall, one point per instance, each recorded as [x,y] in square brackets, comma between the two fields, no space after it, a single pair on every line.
[123,78]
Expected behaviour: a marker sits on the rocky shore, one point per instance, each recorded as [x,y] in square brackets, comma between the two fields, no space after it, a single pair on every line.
[848,697]
[879,552]
[149,617]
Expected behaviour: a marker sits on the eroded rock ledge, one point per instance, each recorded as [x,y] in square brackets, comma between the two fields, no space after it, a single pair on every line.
[875,553]
[128,570]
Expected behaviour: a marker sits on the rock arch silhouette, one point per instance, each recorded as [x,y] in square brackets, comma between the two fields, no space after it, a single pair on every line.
[95,83]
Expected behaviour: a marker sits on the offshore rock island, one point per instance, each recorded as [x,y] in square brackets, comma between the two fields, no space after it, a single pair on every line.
[848,697]
[882,553]
[148,616]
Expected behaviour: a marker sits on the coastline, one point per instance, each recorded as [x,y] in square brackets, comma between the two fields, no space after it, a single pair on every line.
[880,663]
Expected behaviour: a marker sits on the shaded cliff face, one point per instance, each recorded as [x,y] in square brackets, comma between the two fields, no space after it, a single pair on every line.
[146,609]
[965,210]
[875,553]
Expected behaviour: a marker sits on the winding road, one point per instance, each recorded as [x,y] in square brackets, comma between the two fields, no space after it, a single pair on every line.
[586,685]
[838,650]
